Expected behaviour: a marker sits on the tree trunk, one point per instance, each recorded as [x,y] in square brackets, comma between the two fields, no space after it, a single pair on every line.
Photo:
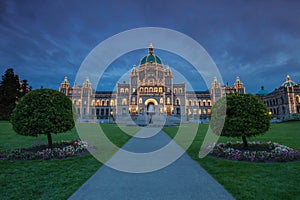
[245,141]
[49,140]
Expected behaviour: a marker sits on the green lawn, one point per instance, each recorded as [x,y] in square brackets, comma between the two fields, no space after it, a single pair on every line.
[245,180]
[52,179]
[58,179]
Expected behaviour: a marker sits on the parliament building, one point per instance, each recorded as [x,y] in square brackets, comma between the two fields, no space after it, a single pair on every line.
[150,90]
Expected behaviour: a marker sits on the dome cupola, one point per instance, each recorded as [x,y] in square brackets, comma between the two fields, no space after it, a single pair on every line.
[151,57]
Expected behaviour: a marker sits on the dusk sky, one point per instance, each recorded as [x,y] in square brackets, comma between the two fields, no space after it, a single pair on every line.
[46,40]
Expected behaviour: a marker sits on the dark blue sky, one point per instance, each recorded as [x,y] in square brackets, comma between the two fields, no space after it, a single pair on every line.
[256,40]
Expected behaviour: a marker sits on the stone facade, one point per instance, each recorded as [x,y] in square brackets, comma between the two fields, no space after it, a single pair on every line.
[283,103]
[150,90]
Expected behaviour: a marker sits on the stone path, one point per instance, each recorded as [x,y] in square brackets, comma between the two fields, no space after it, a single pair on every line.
[184,179]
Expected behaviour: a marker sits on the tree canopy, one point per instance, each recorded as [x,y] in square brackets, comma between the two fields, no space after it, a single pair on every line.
[43,111]
[245,116]
[11,89]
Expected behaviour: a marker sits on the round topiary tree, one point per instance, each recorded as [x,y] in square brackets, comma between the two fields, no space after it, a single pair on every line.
[245,115]
[43,111]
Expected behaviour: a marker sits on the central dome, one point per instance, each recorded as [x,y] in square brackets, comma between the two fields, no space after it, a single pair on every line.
[151,57]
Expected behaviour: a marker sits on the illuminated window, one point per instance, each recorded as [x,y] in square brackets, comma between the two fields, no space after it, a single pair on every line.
[122,90]
[112,102]
[208,111]
[126,90]
[168,100]
[124,102]
[98,103]
[93,102]
[161,101]
[79,102]
[160,89]
[155,89]
[298,99]
[200,111]
[140,100]
[133,100]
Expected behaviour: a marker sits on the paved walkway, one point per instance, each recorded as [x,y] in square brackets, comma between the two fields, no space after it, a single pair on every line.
[184,179]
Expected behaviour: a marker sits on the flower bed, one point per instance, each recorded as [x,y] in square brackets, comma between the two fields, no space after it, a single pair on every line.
[256,152]
[65,149]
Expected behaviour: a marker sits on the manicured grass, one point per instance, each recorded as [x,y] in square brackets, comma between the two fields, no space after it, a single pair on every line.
[51,179]
[246,180]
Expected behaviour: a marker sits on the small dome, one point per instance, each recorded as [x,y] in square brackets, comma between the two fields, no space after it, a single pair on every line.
[151,57]
[288,82]
[262,91]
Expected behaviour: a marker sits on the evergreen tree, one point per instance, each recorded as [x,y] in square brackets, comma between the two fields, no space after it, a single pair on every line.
[11,89]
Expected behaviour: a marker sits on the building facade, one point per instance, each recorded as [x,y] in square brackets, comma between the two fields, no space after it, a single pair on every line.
[283,103]
[150,90]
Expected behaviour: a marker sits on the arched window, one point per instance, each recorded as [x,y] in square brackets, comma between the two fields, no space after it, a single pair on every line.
[98,103]
[155,89]
[124,101]
[204,104]
[122,90]
[126,90]
[175,90]
[180,90]
[208,103]
[190,102]
[140,100]
[160,89]
[102,103]
[150,89]
[195,103]
[112,102]
[107,103]
[141,89]
[200,103]
[146,89]
[177,102]
[133,100]
[168,100]
[79,102]
[93,102]
[161,101]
